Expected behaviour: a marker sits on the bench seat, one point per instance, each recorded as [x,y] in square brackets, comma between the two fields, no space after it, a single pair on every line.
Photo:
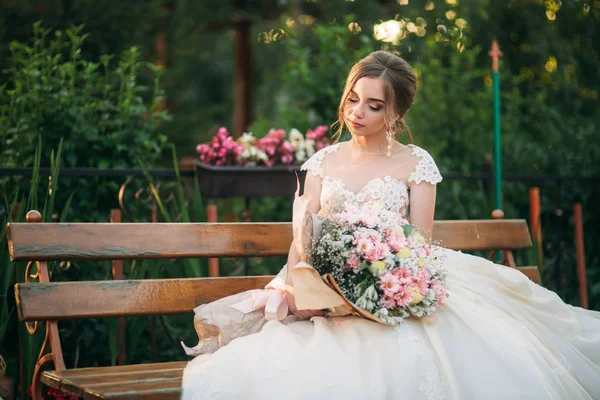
[148,381]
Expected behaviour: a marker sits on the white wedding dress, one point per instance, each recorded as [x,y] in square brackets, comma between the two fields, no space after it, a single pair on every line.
[499,336]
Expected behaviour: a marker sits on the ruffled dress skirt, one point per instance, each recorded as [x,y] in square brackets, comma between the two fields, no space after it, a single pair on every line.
[499,336]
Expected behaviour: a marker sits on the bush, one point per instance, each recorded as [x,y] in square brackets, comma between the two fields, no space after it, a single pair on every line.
[99,110]
[104,111]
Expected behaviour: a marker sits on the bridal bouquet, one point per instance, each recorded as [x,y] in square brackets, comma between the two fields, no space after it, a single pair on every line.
[379,263]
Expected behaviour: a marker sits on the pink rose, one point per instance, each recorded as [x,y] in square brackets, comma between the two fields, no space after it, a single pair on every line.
[404,275]
[362,243]
[404,296]
[376,251]
[421,280]
[389,301]
[396,240]
[440,293]
[354,262]
[389,284]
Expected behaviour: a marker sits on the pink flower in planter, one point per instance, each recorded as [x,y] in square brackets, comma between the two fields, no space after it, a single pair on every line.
[278,150]
[273,149]
[318,133]
[223,150]
[319,137]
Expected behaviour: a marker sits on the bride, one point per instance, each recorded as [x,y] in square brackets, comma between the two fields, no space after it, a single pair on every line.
[499,336]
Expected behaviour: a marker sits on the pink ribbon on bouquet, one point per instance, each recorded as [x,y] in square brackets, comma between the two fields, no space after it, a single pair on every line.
[273,298]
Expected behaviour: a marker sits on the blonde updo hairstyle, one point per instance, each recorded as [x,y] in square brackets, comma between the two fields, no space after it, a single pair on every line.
[400,85]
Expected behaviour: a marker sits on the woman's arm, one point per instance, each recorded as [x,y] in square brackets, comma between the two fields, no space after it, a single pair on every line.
[312,193]
[422,206]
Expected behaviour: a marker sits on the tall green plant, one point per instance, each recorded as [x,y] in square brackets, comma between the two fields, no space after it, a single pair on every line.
[27,346]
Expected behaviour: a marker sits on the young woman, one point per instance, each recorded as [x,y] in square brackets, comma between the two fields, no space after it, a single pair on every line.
[498,337]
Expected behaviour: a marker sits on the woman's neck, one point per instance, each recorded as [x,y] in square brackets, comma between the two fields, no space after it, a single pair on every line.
[372,144]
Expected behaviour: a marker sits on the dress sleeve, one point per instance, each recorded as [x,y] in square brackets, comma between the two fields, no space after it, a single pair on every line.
[425,170]
[315,163]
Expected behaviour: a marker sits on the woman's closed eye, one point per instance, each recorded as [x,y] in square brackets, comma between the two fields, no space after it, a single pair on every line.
[351,100]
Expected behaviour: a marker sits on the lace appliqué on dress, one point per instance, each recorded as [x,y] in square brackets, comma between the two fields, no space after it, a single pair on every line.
[433,387]
[426,169]
[315,163]
[389,192]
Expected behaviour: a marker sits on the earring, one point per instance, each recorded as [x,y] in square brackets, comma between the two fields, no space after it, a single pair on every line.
[389,136]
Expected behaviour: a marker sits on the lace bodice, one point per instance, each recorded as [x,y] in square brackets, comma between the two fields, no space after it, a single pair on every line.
[389,191]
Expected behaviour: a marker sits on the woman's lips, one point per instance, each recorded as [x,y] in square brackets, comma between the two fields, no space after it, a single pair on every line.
[356,125]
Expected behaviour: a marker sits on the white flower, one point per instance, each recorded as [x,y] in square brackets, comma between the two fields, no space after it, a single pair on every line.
[247,139]
[300,155]
[252,155]
[296,138]
[309,147]
[365,303]
[371,293]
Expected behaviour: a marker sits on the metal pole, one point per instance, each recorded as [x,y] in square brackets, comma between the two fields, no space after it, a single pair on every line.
[495,53]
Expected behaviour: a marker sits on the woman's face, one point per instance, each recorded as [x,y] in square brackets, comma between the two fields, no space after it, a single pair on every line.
[364,109]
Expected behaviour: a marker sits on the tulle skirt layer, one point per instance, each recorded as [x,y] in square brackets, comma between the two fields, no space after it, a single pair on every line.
[500,336]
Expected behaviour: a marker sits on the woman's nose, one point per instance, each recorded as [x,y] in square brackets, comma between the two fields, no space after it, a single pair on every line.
[358,110]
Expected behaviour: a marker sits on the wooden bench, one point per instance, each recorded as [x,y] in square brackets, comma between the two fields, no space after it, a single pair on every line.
[47,301]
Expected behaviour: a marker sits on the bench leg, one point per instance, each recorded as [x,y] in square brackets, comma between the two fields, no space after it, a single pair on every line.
[36,384]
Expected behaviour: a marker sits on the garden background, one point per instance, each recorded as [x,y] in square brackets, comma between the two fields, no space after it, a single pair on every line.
[112,85]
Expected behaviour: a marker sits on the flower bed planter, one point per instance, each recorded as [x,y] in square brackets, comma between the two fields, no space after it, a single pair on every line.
[235,181]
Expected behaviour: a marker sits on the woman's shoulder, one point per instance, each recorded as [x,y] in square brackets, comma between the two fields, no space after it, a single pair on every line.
[425,168]
[315,163]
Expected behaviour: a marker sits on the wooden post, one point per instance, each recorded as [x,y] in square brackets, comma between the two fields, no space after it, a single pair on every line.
[247,217]
[580,252]
[213,263]
[535,221]
[160,51]
[502,256]
[117,271]
[52,337]
[242,78]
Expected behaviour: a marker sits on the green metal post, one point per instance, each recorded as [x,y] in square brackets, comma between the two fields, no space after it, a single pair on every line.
[497,142]
[495,53]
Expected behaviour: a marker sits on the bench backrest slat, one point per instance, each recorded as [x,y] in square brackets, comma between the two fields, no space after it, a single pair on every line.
[100,299]
[104,241]
[475,235]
